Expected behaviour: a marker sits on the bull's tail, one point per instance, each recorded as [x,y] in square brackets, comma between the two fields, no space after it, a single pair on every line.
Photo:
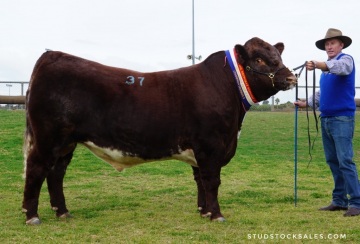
[26,150]
[28,136]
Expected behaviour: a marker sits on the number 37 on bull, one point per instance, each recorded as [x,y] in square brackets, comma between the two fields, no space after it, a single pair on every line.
[130,80]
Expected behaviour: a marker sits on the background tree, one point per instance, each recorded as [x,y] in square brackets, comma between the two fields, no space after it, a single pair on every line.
[277,101]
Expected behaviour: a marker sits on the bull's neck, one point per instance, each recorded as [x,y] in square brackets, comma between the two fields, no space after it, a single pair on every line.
[247,97]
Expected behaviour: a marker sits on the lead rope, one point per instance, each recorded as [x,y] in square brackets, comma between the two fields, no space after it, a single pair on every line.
[307,115]
[311,144]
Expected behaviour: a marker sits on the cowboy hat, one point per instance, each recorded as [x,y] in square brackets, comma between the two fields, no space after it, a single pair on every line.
[333,33]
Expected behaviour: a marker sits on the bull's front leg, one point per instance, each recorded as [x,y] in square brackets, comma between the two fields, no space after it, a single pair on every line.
[55,181]
[201,199]
[210,179]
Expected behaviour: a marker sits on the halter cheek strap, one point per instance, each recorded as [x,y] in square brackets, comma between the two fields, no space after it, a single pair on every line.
[247,97]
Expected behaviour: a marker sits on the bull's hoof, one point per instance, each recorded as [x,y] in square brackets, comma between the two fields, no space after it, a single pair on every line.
[66,215]
[206,215]
[220,219]
[33,221]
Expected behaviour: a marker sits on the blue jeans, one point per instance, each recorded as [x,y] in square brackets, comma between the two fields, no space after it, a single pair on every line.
[337,135]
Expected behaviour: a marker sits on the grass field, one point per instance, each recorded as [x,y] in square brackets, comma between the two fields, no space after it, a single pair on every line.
[156,202]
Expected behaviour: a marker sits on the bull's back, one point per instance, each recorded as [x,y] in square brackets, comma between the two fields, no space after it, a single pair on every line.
[62,74]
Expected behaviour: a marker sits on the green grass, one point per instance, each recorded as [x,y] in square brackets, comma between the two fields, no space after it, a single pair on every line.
[156,202]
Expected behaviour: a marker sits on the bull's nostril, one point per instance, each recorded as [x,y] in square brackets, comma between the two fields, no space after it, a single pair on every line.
[292,79]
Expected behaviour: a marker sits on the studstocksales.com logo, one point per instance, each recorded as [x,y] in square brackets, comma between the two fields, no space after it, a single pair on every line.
[296,236]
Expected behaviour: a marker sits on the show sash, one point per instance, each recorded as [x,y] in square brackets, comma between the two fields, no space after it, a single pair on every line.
[242,83]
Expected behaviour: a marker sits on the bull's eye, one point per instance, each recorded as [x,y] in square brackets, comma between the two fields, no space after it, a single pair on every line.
[258,60]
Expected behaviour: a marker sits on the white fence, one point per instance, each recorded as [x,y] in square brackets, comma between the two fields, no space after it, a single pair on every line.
[13,88]
[13,92]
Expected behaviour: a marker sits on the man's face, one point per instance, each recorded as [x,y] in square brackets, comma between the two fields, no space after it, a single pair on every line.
[333,47]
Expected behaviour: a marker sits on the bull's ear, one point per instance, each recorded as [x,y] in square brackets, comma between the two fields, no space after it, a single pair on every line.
[280,47]
[242,54]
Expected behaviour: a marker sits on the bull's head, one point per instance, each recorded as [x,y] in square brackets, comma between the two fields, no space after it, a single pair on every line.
[264,68]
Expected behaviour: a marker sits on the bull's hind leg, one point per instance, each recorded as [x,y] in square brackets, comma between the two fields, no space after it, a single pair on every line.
[55,179]
[35,172]
[44,160]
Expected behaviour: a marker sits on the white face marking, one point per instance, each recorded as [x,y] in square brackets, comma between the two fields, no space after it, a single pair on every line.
[120,160]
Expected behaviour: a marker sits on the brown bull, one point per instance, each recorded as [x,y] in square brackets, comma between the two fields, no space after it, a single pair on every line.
[125,117]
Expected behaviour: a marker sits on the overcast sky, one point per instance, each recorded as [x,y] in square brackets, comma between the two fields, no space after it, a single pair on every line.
[157,35]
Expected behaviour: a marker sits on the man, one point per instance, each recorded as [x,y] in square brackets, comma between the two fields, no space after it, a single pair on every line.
[335,101]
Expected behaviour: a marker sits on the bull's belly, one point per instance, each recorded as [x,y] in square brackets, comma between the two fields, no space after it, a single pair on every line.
[120,159]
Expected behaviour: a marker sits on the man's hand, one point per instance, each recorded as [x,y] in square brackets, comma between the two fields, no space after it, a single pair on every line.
[300,104]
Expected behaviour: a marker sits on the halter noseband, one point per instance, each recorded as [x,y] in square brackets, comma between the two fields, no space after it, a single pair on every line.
[270,75]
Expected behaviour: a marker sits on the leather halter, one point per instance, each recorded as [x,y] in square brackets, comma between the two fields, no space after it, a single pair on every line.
[271,75]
